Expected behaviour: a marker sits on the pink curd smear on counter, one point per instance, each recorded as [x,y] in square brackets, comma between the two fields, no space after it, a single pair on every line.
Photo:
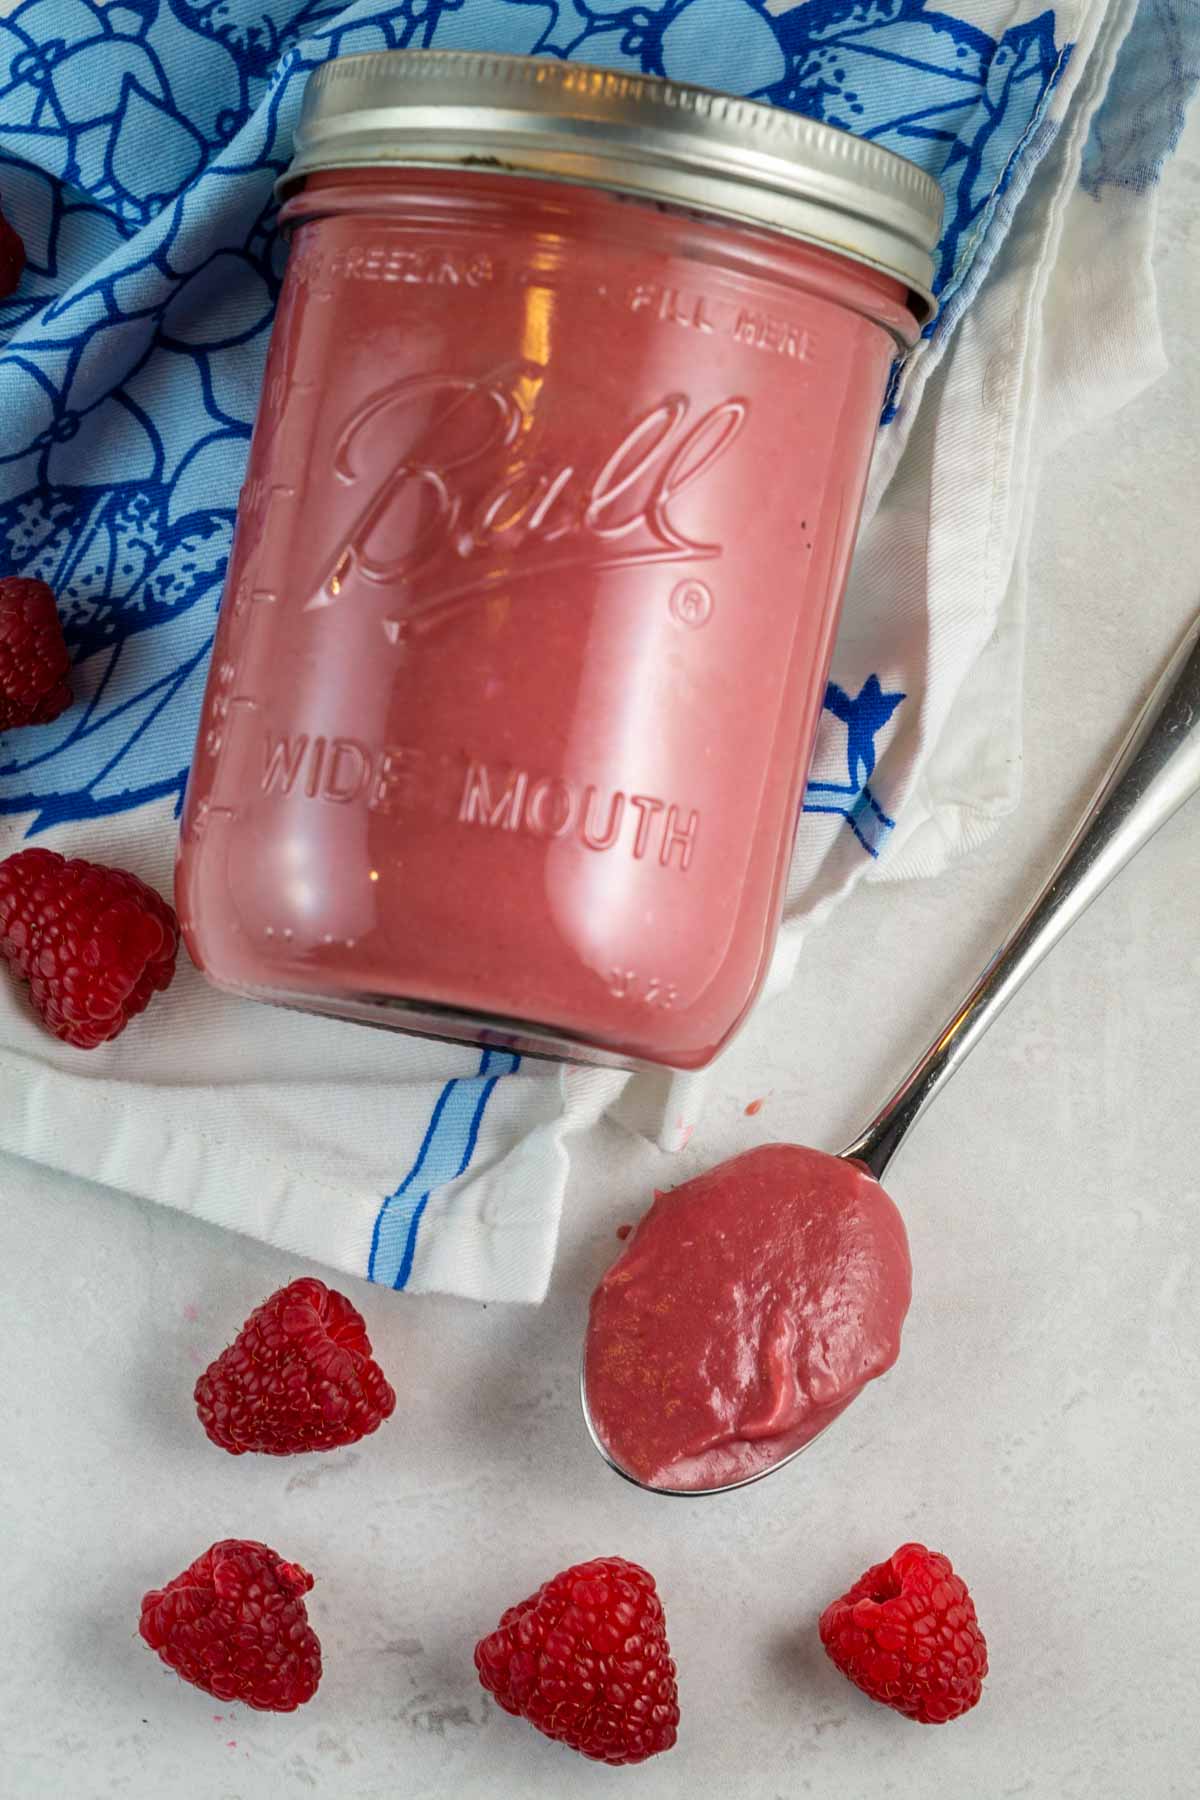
[749,1308]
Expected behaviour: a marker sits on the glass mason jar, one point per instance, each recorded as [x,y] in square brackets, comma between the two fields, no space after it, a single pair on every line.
[552,493]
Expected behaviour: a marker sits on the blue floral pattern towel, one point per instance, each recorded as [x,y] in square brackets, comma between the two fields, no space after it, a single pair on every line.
[139,144]
[138,147]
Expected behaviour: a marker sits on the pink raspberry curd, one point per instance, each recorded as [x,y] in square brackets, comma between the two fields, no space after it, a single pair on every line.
[748,1309]
[549,508]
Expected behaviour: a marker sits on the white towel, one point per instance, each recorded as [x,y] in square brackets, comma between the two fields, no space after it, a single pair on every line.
[418,1165]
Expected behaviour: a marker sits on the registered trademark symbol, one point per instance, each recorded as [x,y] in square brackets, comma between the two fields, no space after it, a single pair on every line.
[692,604]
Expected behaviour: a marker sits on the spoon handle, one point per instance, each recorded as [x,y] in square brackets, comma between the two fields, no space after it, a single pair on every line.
[1156,769]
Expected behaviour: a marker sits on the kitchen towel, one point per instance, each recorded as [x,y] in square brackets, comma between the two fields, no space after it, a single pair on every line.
[139,142]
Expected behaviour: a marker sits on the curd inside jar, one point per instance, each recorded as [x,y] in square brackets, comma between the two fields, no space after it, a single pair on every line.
[539,557]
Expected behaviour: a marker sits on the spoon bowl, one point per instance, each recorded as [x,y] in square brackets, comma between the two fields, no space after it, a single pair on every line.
[689,1493]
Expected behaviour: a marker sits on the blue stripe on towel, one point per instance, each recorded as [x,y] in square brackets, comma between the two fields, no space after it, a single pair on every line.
[446,1150]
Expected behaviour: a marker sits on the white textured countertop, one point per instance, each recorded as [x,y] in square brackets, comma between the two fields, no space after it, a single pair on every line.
[1041,1426]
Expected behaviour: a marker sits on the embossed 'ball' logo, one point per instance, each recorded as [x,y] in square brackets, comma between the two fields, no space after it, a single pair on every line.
[446,510]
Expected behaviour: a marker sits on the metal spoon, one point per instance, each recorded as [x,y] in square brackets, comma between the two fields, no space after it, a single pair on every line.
[1156,769]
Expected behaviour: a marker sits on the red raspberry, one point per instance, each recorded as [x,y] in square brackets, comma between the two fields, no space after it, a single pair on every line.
[235,1624]
[93,943]
[298,1376]
[33,652]
[12,258]
[586,1660]
[907,1635]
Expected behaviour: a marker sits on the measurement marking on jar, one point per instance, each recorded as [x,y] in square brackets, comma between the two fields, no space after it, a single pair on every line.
[643,990]
[206,811]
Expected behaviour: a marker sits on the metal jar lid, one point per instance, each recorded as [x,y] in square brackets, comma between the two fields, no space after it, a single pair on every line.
[633,134]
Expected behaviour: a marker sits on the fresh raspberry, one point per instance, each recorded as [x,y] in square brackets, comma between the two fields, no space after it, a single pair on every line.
[235,1624]
[33,652]
[907,1635]
[586,1660]
[12,258]
[298,1376]
[93,943]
